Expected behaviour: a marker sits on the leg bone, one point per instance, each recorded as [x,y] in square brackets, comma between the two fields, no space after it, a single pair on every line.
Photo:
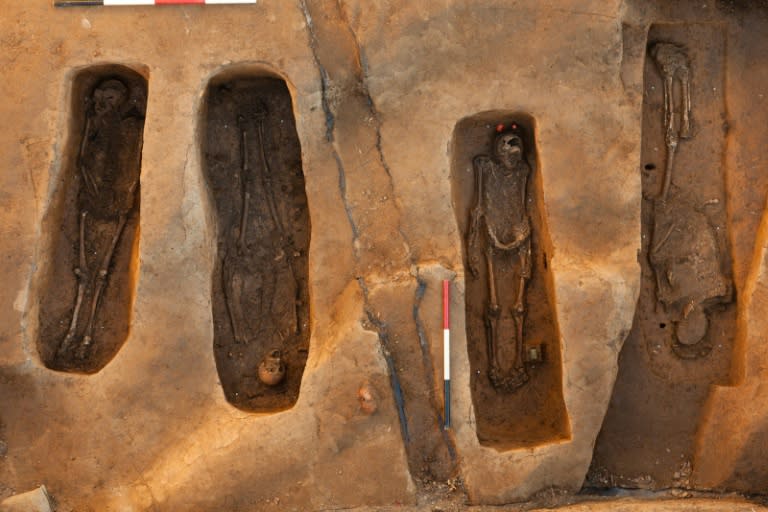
[671,137]
[267,181]
[668,99]
[233,293]
[685,124]
[101,281]
[519,374]
[246,196]
[82,277]
[671,149]
[519,320]
[491,320]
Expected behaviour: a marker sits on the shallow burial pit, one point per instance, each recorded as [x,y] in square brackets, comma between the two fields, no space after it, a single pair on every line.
[682,336]
[253,170]
[512,334]
[89,271]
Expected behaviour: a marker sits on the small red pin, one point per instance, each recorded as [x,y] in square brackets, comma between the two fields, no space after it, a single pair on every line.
[499,128]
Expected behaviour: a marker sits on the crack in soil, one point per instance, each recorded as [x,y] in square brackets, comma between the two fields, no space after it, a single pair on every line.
[330,124]
[426,448]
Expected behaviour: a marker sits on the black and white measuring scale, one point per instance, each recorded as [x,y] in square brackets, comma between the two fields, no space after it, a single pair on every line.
[90,3]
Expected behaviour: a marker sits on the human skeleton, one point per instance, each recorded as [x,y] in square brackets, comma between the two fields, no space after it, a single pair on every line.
[684,252]
[109,163]
[259,279]
[501,188]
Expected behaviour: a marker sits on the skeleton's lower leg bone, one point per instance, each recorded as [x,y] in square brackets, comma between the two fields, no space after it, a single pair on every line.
[90,182]
[233,281]
[245,195]
[668,106]
[234,296]
[80,272]
[296,305]
[244,219]
[671,148]
[490,333]
[267,180]
[101,281]
[267,297]
[492,313]
[670,137]
[685,123]
[519,321]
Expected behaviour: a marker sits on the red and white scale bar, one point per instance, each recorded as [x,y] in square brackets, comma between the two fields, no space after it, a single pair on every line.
[88,3]
[447,352]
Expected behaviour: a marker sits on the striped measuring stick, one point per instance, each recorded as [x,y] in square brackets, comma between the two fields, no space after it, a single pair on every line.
[89,3]
[447,352]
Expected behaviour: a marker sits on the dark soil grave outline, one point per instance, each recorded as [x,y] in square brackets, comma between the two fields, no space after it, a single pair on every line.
[260,280]
[102,199]
[649,433]
[534,414]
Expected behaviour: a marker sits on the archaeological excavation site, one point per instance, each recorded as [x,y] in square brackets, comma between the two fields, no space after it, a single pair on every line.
[438,255]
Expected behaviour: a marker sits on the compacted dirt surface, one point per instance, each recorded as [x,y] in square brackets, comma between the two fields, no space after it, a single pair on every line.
[269,333]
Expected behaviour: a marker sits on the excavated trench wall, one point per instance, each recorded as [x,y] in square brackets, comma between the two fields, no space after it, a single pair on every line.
[374,121]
